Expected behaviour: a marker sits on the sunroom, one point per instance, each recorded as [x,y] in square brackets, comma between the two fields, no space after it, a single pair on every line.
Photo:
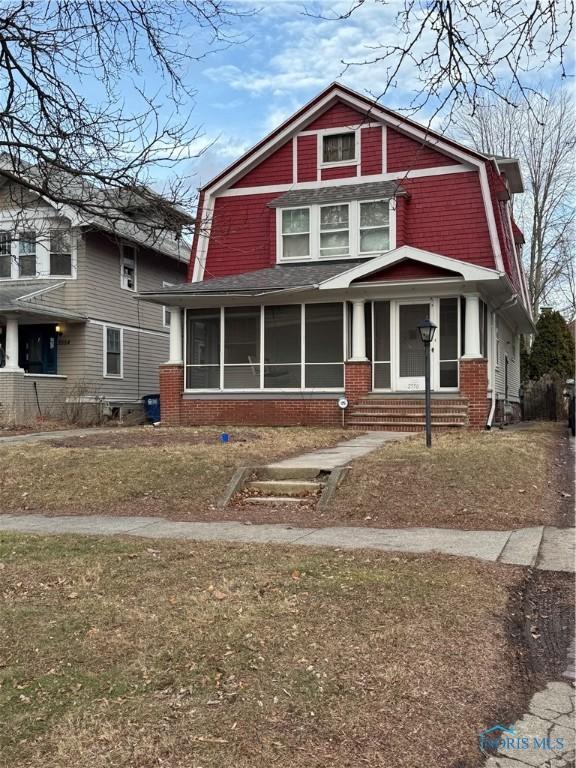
[300,329]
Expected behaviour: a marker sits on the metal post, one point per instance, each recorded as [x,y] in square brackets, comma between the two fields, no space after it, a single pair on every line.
[428,404]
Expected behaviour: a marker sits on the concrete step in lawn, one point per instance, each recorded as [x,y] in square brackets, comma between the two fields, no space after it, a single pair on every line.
[282,485]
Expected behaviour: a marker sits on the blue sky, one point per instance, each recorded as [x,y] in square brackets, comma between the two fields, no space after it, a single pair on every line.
[243,91]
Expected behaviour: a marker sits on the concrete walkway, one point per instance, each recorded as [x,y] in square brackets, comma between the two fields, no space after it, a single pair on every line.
[344,452]
[544,737]
[523,547]
[32,437]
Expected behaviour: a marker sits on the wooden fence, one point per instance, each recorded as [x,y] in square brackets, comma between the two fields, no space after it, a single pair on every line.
[544,399]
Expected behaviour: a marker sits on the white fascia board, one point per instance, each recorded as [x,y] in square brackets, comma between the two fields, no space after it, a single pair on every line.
[469,272]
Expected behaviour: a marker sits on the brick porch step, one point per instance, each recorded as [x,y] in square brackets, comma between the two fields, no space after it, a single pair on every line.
[408,413]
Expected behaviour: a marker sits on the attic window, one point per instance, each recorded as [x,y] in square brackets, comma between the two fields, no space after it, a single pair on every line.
[338,147]
[128,268]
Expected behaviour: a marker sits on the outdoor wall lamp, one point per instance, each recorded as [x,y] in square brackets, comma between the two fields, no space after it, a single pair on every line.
[427,329]
[59,330]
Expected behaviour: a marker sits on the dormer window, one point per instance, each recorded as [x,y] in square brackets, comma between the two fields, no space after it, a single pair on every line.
[339,147]
[296,233]
[334,230]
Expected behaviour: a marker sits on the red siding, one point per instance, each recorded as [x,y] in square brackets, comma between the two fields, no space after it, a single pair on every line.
[276,169]
[307,150]
[446,215]
[339,115]
[197,229]
[339,172]
[408,269]
[405,154]
[242,237]
[371,151]
[505,234]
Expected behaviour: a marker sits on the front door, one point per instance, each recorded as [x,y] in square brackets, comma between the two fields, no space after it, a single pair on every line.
[410,362]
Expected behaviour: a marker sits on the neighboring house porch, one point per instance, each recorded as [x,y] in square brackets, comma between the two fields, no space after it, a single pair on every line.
[282,345]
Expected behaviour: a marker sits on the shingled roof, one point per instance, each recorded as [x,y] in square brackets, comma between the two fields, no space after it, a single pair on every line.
[336,194]
[280,277]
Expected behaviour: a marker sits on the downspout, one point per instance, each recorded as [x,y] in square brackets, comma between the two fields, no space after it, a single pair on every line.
[492,371]
[508,303]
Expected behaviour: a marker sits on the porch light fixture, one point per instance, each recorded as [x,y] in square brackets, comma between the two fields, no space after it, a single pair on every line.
[427,329]
[58,329]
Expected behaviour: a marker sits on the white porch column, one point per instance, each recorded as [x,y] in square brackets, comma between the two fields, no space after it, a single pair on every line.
[472,327]
[176,335]
[358,332]
[12,344]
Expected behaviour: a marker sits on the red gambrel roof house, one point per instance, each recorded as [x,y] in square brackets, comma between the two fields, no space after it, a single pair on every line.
[317,255]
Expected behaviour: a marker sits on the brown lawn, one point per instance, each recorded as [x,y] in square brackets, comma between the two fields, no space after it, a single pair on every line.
[175,472]
[482,480]
[124,654]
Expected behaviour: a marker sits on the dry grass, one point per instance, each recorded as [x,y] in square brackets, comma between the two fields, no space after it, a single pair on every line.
[483,480]
[122,654]
[175,472]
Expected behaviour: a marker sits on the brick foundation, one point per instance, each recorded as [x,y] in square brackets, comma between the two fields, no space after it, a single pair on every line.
[474,386]
[358,381]
[171,388]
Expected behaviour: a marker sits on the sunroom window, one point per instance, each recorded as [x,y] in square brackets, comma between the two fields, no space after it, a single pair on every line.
[296,233]
[242,348]
[27,254]
[282,345]
[264,347]
[334,230]
[338,147]
[374,226]
[203,349]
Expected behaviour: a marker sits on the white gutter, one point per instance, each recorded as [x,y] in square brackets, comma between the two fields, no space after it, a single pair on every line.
[511,302]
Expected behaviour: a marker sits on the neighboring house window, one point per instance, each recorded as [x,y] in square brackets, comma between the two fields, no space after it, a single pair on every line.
[128,267]
[27,254]
[113,344]
[60,252]
[166,310]
[374,226]
[264,348]
[338,147]
[5,254]
[332,231]
[296,233]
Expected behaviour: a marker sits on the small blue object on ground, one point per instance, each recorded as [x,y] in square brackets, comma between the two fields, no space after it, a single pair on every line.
[152,407]
[224,437]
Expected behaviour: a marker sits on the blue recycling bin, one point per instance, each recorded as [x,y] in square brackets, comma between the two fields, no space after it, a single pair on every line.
[152,407]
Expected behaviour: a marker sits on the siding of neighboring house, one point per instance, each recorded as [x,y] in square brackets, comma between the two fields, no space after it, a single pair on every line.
[508,346]
[104,298]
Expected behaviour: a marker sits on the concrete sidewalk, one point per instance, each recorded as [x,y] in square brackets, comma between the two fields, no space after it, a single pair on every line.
[33,437]
[526,547]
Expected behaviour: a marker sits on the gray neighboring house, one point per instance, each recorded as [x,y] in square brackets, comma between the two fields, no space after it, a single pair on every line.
[75,341]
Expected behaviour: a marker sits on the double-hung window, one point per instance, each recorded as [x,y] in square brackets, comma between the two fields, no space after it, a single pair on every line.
[128,267]
[60,252]
[27,254]
[334,230]
[296,233]
[374,226]
[339,147]
[113,352]
[5,254]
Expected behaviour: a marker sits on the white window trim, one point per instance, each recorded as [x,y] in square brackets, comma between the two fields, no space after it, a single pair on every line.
[166,308]
[353,228]
[311,225]
[105,374]
[335,132]
[261,389]
[10,222]
[122,258]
